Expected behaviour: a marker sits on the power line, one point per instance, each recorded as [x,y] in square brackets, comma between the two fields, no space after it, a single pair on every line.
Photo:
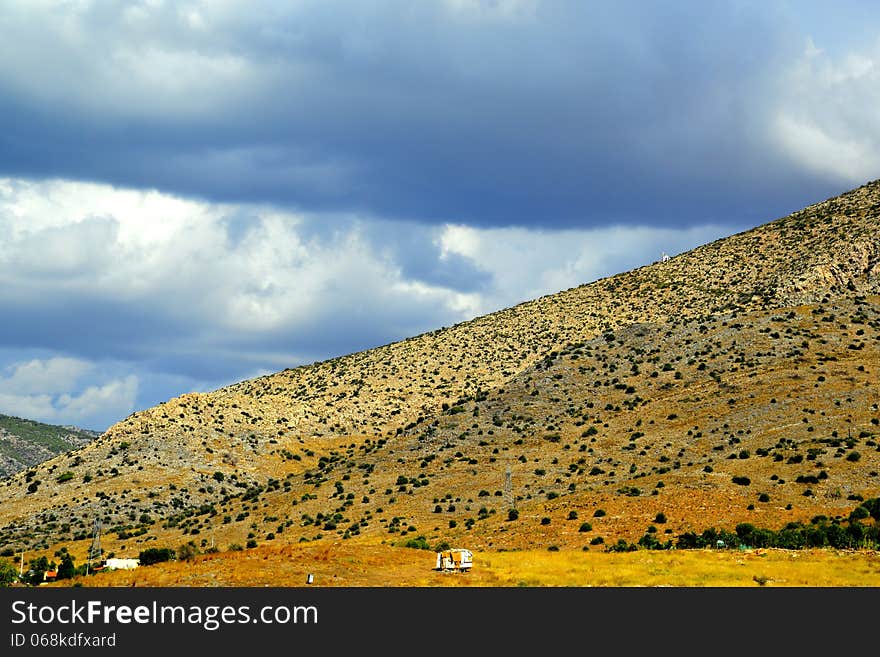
[95,550]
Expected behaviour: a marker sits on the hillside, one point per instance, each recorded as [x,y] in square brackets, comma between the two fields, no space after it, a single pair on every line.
[24,443]
[737,382]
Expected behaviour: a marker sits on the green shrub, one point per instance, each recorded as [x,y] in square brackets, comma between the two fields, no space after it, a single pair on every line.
[660,518]
[512,514]
[622,546]
[8,573]
[598,513]
[742,481]
[585,527]
[859,513]
[155,555]
[419,543]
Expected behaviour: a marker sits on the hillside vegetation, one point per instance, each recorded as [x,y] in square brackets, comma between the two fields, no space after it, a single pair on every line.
[24,443]
[735,383]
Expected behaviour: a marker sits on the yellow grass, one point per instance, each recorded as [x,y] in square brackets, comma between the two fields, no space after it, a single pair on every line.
[366,565]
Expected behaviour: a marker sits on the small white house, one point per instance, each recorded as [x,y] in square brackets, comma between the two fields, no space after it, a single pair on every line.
[121,564]
[456,559]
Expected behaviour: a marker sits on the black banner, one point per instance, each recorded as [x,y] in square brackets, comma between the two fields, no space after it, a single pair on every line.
[242,620]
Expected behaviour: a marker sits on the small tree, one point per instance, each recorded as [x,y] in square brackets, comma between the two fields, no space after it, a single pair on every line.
[37,571]
[66,569]
[8,573]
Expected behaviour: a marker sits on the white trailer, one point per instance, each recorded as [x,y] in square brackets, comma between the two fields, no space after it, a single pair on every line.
[455,560]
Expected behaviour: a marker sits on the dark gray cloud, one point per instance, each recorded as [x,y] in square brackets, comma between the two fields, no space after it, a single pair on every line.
[517,113]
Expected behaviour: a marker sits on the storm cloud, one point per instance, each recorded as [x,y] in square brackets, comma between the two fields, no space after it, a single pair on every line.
[567,114]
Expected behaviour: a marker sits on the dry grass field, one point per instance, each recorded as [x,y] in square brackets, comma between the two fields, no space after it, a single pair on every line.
[346,564]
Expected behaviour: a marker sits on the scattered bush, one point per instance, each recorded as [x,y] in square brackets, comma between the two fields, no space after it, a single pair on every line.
[419,543]
[187,551]
[155,555]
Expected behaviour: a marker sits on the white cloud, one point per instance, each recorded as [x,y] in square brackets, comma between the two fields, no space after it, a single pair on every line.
[35,376]
[826,115]
[31,407]
[51,390]
[174,258]
[113,398]
[144,60]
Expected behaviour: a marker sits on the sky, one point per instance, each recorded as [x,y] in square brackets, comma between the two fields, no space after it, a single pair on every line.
[194,193]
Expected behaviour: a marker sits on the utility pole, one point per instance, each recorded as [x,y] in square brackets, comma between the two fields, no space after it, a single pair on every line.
[21,567]
[509,497]
[95,548]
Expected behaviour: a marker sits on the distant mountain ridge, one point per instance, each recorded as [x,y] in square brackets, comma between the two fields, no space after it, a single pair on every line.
[25,443]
